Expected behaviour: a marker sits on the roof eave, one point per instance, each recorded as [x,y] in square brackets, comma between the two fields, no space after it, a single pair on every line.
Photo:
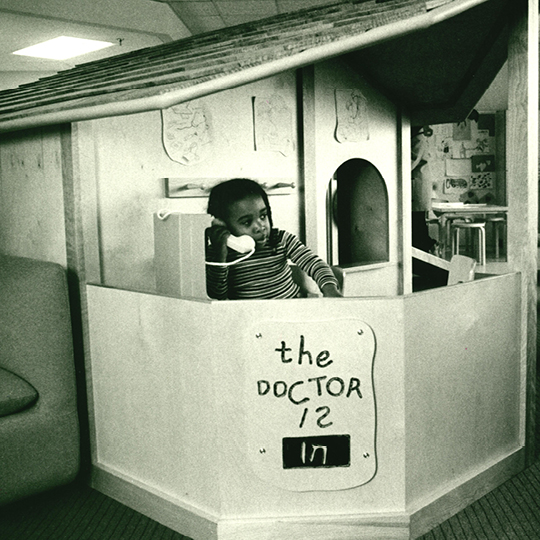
[124,103]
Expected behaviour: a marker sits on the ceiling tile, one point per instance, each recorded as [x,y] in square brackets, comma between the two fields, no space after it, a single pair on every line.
[196,23]
[211,23]
[259,8]
[197,8]
[286,6]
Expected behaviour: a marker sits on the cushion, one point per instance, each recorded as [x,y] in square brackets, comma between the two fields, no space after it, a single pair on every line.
[15,393]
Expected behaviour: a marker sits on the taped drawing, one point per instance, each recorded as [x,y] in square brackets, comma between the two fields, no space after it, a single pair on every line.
[273,125]
[186,132]
[352,116]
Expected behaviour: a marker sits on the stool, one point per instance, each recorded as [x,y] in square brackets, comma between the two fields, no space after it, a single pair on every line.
[479,226]
[497,222]
[446,225]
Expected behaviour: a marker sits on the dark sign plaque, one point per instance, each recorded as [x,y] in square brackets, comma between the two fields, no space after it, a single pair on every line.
[316,452]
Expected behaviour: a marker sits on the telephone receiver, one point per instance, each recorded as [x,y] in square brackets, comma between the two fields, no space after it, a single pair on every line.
[241,244]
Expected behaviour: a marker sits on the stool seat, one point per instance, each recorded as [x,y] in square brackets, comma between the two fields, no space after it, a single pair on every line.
[480,227]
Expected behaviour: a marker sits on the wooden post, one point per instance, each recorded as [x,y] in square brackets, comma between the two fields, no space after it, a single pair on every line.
[307,156]
[404,203]
[83,260]
[522,160]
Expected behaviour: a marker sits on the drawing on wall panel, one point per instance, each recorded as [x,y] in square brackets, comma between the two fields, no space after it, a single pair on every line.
[352,121]
[186,132]
[272,124]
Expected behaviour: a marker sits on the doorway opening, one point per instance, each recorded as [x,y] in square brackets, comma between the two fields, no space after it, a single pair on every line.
[357,215]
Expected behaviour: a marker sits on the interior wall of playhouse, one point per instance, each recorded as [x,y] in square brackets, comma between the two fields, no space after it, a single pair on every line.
[97,184]
[294,129]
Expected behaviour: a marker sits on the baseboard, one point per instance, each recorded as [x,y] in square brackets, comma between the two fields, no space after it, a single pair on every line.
[428,515]
[198,524]
[358,527]
[174,514]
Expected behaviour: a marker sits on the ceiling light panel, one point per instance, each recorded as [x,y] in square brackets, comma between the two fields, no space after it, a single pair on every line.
[63,47]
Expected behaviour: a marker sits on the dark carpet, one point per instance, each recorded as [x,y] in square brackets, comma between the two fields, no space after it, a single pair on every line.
[77,512]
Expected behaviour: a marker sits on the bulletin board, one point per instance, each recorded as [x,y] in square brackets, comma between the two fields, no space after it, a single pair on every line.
[463,160]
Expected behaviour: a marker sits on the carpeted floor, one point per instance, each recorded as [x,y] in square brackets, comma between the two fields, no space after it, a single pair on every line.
[510,512]
[77,512]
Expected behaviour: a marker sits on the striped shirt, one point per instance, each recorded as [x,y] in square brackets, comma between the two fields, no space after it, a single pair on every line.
[266,274]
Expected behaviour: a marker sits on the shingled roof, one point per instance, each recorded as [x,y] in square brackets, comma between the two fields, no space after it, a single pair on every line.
[161,76]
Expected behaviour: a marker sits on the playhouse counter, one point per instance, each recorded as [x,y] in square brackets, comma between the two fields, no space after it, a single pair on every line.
[313,418]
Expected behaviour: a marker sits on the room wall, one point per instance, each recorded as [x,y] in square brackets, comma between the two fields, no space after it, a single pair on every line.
[32,222]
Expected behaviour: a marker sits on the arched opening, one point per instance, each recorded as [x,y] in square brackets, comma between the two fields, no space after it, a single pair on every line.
[357,215]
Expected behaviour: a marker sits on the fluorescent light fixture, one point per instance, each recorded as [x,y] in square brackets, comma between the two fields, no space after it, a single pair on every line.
[63,47]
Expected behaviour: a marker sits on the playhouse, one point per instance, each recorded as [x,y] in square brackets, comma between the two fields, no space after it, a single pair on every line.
[375,415]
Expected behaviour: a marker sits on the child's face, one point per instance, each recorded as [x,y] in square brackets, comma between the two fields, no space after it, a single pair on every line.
[249,216]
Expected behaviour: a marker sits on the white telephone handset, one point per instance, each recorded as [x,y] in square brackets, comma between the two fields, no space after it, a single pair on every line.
[241,244]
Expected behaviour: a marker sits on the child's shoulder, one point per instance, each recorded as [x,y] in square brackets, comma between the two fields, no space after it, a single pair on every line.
[282,236]
[282,233]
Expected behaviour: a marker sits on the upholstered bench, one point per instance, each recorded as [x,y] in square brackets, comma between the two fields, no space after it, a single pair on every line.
[39,429]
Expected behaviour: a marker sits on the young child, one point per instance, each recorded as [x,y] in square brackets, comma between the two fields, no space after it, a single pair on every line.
[240,207]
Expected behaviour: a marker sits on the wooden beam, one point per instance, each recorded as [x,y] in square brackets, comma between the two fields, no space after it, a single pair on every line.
[522,162]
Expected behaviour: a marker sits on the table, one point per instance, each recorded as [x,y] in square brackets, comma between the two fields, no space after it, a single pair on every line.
[443,210]
[467,210]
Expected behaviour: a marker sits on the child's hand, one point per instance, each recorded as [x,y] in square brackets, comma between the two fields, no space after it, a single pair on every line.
[331,291]
[218,235]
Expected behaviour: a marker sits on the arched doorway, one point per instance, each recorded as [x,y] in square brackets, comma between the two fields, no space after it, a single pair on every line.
[357,215]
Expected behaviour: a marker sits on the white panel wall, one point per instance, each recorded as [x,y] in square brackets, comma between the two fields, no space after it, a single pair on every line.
[32,222]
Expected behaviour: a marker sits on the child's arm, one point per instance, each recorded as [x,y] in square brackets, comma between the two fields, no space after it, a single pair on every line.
[331,291]
[217,276]
[313,265]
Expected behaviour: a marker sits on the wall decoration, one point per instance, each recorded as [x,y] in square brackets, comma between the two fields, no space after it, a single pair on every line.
[352,119]
[483,163]
[485,180]
[444,147]
[465,161]
[458,167]
[482,142]
[272,119]
[466,149]
[459,150]
[186,133]
[462,131]
[456,185]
